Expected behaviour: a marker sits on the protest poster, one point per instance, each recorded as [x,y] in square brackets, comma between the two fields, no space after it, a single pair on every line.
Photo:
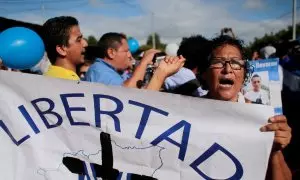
[60,129]
[265,84]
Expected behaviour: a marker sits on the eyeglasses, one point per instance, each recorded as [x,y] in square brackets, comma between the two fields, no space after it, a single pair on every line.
[219,63]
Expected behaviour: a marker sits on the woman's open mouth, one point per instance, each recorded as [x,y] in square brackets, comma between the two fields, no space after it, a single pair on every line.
[226,83]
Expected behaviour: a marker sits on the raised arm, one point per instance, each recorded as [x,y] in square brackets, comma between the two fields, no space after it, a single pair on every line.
[277,168]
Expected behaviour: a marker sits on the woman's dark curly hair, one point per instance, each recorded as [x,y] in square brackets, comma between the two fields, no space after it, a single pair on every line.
[219,42]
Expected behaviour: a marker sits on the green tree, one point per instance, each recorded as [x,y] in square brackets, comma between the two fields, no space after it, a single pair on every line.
[91,40]
[144,47]
[272,38]
[158,44]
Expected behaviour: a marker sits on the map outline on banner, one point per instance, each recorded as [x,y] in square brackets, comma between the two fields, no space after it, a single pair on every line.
[82,152]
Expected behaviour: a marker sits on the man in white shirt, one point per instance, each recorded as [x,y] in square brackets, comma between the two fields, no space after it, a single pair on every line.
[194,49]
[257,95]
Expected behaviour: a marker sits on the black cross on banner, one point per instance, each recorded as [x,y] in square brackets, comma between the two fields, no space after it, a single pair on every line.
[104,171]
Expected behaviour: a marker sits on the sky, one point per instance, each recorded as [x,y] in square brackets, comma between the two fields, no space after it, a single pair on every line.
[171,19]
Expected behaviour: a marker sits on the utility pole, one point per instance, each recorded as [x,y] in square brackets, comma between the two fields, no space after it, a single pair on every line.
[294,18]
[153,31]
[43,11]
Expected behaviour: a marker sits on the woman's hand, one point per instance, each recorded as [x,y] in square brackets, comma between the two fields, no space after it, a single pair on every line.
[283,133]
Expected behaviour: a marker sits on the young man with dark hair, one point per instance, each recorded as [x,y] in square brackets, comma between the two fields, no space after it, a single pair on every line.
[257,95]
[115,58]
[65,46]
[194,50]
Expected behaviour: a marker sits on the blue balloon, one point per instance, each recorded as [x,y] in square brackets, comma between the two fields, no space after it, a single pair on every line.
[20,48]
[133,45]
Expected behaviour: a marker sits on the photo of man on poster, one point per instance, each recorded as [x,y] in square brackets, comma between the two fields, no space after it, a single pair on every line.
[257,95]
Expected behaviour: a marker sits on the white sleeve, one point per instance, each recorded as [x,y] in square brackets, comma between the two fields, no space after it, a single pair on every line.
[265,98]
[248,96]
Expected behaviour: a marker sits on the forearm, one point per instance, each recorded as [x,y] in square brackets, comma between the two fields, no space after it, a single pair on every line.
[278,169]
[137,75]
[157,80]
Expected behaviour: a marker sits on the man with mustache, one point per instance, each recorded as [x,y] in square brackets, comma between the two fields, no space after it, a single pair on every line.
[115,57]
[65,46]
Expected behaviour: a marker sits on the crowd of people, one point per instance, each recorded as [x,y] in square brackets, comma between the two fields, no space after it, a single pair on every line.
[207,68]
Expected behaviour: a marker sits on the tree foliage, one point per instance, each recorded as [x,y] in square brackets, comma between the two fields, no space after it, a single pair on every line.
[158,44]
[273,38]
[91,40]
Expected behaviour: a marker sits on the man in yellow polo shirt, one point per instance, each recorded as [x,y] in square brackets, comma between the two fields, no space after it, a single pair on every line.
[65,47]
[60,72]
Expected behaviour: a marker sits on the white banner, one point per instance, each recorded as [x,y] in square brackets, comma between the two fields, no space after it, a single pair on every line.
[57,129]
